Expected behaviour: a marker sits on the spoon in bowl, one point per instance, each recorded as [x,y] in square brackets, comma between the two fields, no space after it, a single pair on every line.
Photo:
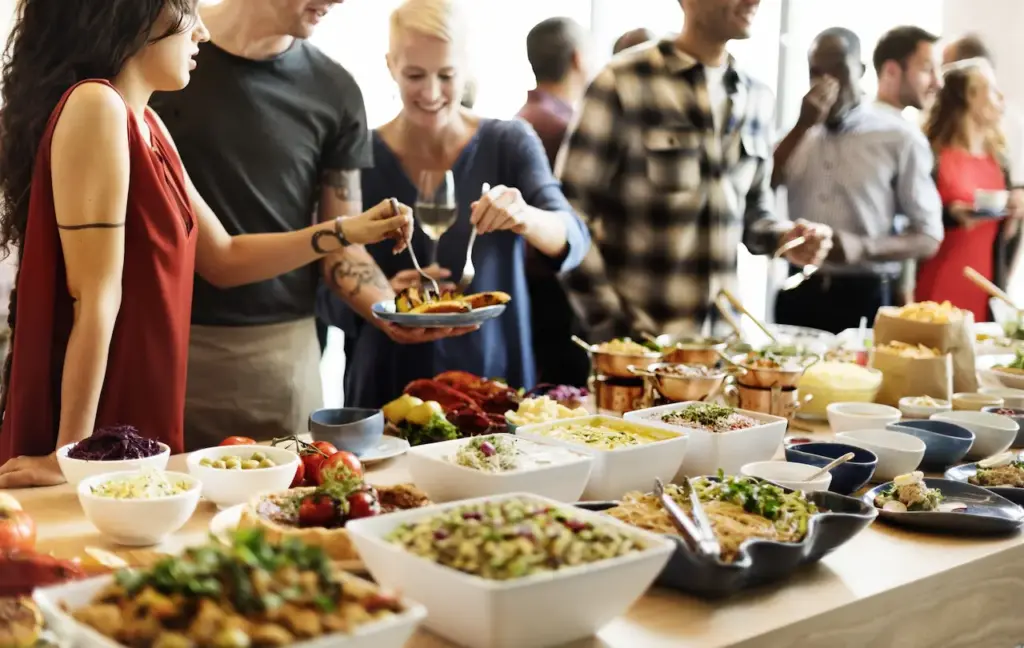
[830,465]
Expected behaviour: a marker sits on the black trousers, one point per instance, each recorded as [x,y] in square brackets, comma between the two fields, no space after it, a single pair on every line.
[559,361]
[834,303]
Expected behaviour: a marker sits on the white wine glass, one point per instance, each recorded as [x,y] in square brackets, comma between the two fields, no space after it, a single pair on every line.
[436,209]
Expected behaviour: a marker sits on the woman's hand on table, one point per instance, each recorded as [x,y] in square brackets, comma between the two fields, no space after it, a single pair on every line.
[501,208]
[406,278]
[23,472]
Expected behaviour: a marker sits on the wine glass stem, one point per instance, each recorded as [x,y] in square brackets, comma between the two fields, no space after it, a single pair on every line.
[433,252]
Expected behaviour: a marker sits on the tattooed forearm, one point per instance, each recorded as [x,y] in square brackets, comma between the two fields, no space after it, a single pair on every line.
[351,276]
[344,185]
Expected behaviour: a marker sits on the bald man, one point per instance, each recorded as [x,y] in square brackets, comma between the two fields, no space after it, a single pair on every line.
[632,38]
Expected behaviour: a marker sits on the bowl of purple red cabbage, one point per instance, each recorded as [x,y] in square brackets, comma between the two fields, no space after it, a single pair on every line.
[113,448]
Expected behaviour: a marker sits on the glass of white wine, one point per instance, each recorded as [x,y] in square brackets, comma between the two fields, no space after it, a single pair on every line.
[436,209]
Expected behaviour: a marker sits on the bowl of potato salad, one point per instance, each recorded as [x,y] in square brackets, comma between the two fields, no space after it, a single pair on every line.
[540,409]
[628,455]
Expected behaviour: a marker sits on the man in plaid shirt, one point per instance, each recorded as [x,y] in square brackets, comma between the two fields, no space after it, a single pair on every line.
[669,159]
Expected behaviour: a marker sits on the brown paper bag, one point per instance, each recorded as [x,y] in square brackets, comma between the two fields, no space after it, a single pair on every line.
[955,337]
[903,376]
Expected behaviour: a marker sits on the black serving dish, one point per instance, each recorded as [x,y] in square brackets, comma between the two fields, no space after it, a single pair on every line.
[986,512]
[763,561]
[966,471]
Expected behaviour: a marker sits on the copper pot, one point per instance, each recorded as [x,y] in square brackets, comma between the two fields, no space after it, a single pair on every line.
[618,395]
[615,365]
[681,389]
[749,376]
[774,401]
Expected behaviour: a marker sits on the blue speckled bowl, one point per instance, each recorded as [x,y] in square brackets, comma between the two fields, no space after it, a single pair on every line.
[847,477]
[944,443]
[353,429]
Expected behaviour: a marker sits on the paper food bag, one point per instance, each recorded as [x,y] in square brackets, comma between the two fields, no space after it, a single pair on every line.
[955,337]
[908,376]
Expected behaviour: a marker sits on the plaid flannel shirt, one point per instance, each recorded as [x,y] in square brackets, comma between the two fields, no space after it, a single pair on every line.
[667,197]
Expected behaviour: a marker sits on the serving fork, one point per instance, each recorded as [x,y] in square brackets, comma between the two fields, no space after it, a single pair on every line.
[468,271]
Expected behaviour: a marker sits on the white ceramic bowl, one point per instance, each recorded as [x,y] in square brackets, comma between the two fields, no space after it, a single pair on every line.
[859,416]
[788,475]
[975,402]
[530,611]
[898,453]
[993,433]
[617,472]
[393,632]
[138,522]
[709,451]
[227,488]
[912,411]
[445,481]
[1012,398]
[75,470]
[1005,378]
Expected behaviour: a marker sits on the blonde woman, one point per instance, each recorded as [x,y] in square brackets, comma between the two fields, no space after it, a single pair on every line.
[525,206]
[963,128]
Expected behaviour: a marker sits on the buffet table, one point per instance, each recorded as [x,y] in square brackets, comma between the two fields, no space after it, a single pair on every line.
[884,588]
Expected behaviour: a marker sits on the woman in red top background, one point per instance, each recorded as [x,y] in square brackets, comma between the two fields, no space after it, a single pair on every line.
[963,128]
[110,229]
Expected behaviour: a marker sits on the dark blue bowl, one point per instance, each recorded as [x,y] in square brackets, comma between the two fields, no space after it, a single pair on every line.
[944,443]
[847,477]
[353,429]
[1018,416]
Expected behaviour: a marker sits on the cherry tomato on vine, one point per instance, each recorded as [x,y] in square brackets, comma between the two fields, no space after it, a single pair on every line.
[237,440]
[338,466]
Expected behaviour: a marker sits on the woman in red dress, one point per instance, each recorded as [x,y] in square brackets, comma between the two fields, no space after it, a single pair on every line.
[110,229]
[963,128]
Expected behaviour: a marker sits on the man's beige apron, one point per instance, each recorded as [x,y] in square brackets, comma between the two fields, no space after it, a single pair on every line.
[255,381]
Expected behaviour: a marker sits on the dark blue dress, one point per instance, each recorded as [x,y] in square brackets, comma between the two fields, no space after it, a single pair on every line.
[501,153]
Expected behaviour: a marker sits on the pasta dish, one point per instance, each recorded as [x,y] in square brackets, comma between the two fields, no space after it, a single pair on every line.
[740,509]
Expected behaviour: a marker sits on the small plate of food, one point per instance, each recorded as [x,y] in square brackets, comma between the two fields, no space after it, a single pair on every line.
[417,307]
[913,500]
[1002,474]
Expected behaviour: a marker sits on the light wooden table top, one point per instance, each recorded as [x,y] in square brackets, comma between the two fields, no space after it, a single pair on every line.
[885,587]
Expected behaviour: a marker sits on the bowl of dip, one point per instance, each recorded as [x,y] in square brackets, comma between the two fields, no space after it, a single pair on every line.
[497,464]
[139,508]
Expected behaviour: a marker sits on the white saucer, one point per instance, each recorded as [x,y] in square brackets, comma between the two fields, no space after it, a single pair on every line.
[226,521]
[389,447]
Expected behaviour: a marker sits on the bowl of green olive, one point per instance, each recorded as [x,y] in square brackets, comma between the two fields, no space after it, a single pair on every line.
[233,475]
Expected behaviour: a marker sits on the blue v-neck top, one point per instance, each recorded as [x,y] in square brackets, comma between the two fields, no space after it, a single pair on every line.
[503,152]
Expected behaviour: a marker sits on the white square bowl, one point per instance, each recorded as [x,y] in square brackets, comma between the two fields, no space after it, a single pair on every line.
[538,611]
[444,481]
[619,471]
[730,451]
[392,632]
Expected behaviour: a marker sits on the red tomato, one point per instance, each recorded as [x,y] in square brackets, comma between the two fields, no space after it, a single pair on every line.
[338,466]
[324,447]
[237,440]
[362,504]
[300,475]
[311,467]
[381,601]
[17,530]
[317,510]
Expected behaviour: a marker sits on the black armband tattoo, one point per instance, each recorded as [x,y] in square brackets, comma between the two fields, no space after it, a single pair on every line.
[338,234]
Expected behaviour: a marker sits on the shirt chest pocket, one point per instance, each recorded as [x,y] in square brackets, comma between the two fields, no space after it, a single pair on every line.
[754,152]
[673,159]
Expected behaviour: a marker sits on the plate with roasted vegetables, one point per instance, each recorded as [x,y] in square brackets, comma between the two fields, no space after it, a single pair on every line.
[1003,474]
[246,593]
[419,307]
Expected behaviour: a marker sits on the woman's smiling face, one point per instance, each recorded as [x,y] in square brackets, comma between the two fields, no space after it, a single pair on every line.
[429,72]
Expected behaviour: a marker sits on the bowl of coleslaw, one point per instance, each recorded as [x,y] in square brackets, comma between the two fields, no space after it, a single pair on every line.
[139,508]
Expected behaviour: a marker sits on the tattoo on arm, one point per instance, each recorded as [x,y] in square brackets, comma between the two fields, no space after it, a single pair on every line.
[91,226]
[357,274]
[346,187]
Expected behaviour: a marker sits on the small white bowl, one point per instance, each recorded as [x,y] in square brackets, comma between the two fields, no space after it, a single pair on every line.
[138,522]
[858,416]
[530,611]
[993,433]
[445,481]
[619,471]
[975,402]
[788,475]
[898,453]
[1012,398]
[75,470]
[227,488]
[910,410]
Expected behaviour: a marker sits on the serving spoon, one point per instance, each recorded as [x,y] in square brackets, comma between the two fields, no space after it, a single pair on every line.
[830,465]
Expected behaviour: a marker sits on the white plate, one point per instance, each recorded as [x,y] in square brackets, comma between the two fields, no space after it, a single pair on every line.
[388,448]
[385,310]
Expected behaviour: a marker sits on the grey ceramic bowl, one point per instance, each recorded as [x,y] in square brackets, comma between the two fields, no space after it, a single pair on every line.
[944,443]
[1017,415]
[353,429]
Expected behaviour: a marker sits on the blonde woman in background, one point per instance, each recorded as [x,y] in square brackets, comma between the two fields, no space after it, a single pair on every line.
[525,206]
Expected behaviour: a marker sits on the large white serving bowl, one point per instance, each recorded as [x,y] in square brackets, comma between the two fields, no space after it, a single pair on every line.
[75,470]
[548,609]
[788,475]
[898,453]
[843,417]
[138,522]
[619,471]
[708,452]
[55,601]
[227,488]
[993,433]
[1012,398]
[444,481]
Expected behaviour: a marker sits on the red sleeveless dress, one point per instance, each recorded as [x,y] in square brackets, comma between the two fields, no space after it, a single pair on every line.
[144,384]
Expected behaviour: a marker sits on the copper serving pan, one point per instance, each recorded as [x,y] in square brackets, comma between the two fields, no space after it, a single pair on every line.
[774,402]
[681,388]
[768,378]
[696,352]
[615,365]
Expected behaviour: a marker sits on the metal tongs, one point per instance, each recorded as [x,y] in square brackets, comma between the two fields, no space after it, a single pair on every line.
[697,532]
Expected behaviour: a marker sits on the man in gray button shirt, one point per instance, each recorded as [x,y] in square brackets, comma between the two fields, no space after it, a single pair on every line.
[853,167]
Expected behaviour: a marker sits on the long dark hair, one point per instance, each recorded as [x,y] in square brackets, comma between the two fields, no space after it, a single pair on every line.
[944,126]
[53,45]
